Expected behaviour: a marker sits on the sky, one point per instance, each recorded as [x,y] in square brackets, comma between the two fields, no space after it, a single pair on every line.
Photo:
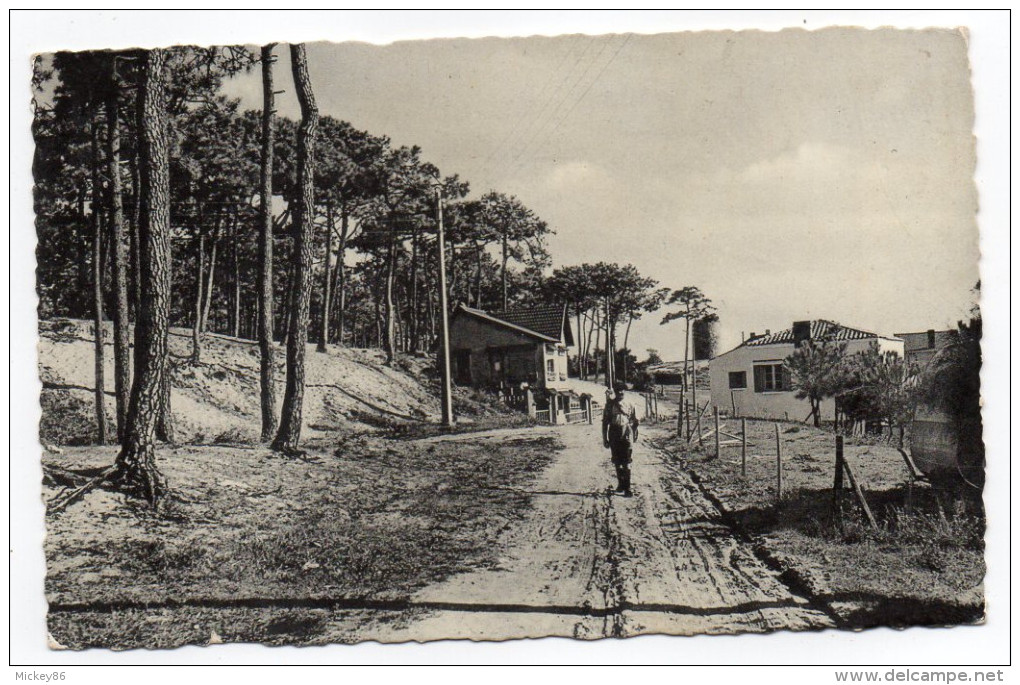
[790,175]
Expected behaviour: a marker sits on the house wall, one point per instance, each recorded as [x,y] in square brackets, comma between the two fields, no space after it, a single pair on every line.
[775,404]
[557,378]
[482,338]
[478,337]
[916,347]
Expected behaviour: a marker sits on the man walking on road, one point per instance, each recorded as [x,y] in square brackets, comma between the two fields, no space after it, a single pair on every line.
[619,433]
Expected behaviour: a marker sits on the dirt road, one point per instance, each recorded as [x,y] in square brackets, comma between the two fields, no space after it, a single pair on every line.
[587,563]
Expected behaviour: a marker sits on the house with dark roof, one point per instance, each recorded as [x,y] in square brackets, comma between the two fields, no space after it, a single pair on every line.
[751,379]
[510,348]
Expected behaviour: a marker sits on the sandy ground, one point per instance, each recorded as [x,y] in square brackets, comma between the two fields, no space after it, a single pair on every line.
[572,559]
[587,563]
[217,400]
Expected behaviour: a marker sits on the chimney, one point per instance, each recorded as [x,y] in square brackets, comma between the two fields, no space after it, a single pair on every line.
[931,339]
[752,336]
[801,332]
[768,331]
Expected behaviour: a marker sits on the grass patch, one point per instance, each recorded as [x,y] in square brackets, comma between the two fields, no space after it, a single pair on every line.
[922,564]
[379,519]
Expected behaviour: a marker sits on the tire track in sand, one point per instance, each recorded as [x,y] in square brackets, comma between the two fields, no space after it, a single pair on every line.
[588,564]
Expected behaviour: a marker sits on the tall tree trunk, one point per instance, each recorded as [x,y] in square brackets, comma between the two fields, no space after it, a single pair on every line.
[334,334]
[196,328]
[235,320]
[378,319]
[626,338]
[97,288]
[324,334]
[211,279]
[121,322]
[453,272]
[289,435]
[267,387]
[287,305]
[694,373]
[506,258]
[577,340]
[587,345]
[687,346]
[136,213]
[136,469]
[432,315]
[165,429]
[414,313]
[610,345]
[341,276]
[83,235]
[596,323]
[478,276]
[390,341]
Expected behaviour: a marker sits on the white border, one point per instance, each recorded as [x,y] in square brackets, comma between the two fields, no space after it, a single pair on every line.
[45,31]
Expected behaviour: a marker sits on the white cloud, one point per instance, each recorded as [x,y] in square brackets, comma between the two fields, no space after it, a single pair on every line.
[809,162]
[578,175]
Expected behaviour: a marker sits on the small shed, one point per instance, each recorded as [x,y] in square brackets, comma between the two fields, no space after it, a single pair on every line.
[514,347]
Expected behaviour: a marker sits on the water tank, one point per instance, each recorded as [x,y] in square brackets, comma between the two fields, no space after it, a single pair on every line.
[705,337]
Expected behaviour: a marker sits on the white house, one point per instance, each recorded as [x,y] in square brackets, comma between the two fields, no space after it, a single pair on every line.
[750,380]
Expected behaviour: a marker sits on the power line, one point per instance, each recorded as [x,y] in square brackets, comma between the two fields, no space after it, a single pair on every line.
[537,123]
[583,95]
[542,94]
[541,131]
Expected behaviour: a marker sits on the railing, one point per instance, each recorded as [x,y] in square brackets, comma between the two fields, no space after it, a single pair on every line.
[543,416]
[516,400]
[576,416]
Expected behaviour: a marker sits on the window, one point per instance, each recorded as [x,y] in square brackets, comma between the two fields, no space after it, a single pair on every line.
[772,378]
[550,365]
[738,380]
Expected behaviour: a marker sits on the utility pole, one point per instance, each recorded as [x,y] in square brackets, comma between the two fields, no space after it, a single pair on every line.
[610,370]
[447,392]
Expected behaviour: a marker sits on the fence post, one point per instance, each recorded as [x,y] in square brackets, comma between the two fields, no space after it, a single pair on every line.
[859,494]
[529,401]
[715,411]
[680,417]
[697,423]
[836,507]
[779,465]
[743,448]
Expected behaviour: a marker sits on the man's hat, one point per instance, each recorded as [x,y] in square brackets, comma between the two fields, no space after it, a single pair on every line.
[619,387]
